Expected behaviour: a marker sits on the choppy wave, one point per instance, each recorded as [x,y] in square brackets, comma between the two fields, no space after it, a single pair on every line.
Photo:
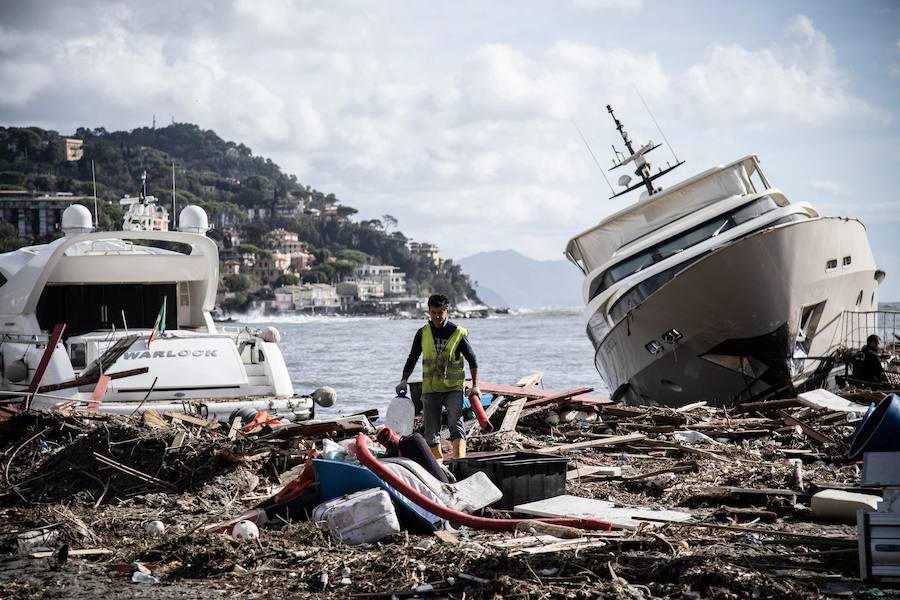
[259,317]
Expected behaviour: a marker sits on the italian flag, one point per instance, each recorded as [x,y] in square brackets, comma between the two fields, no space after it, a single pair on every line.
[160,326]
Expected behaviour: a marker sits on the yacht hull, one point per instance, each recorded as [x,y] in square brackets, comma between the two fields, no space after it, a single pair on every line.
[738,312]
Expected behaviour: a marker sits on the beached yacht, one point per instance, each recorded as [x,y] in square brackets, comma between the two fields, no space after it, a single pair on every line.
[134,301]
[718,288]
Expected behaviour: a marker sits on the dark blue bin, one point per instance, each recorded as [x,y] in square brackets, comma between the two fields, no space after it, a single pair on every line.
[879,431]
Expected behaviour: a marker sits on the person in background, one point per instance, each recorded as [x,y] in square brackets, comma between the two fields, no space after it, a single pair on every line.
[443,346]
[871,368]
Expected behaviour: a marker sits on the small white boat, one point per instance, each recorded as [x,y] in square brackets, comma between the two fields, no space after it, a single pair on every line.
[112,290]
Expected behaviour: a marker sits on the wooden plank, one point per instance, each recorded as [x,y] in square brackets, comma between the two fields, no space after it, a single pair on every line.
[513,412]
[512,391]
[564,546]
[767,405]
[80,552]
[610,441]
[622,411]
[112,354]
[176,416]
[807,430]
[178,441]
[52,343]
[99,392]
[588,470]
[234,428]
[80,381]
[690,407]
[106,460]
[532,380]
[446,537]
[558,397]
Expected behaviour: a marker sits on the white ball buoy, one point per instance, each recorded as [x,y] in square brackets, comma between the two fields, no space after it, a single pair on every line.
[17,371]
[155,528]
[245,530]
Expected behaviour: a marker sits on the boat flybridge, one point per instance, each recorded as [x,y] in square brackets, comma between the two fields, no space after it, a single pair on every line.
[718,288]
[136,302]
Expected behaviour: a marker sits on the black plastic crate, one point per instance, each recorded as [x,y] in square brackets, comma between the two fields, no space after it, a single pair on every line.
[521,476]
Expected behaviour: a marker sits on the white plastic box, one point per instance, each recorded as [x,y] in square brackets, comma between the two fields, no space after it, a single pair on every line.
[359,518]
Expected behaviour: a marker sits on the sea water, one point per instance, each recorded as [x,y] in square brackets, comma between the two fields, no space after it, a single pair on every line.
[362,358]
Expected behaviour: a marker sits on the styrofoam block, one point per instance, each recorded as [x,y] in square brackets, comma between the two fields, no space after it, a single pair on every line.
[840,505]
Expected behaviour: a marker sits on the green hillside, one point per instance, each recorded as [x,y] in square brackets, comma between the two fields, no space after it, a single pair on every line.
[226,179]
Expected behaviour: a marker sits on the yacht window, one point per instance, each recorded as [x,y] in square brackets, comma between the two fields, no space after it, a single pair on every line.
[847,260]
[597,328]
[685,240]
[859,298]
[831,264]
[2,280]
[642,291]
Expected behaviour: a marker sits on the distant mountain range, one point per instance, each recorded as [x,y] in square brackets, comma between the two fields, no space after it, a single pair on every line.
[507,278]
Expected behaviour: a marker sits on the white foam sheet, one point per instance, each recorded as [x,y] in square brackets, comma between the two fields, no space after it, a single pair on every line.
[826,400]
[574,507]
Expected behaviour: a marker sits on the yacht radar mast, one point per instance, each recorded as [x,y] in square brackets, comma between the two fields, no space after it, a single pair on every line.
[143,213]
[637,157]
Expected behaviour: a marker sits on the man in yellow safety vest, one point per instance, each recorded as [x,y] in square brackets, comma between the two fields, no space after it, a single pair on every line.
[443,345]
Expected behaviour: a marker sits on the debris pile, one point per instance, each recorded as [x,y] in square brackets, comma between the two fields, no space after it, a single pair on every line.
[754,501]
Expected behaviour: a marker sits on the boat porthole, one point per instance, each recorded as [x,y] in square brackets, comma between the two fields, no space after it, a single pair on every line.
[668,383]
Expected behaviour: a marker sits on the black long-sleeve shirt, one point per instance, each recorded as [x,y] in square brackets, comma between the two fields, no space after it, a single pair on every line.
[871,366]
[440,340]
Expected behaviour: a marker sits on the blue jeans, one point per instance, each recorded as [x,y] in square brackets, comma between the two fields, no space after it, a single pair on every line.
[433,404]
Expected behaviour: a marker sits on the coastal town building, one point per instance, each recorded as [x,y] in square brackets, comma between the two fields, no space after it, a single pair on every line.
[231,266]
[316,297]
[36,214]
[284,298]
[364,289]
[393,282]
[426,250]
[70,149]
[271,266]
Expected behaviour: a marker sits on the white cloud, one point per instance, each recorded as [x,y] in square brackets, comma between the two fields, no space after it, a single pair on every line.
[609,4]
[800,81]
[829,187]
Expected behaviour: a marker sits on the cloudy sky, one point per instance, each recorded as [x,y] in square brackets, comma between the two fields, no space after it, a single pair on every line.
[457,117]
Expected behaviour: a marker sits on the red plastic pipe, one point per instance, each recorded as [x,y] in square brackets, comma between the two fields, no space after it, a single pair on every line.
[454,516]
[475,403]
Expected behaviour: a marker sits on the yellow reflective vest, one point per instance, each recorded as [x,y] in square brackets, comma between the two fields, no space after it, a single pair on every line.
[442,372]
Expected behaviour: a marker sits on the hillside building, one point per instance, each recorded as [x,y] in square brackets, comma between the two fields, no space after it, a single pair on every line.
[424,249]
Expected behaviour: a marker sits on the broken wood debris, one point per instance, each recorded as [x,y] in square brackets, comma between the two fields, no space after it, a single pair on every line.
[630,467]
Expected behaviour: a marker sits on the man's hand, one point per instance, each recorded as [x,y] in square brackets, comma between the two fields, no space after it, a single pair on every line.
[402,388]
[474,391]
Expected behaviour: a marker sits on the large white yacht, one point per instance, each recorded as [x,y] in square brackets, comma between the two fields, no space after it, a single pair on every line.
[718,288]
[112,290]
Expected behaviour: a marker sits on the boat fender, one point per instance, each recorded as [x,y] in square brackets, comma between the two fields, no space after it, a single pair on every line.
[271,334]
[17,371]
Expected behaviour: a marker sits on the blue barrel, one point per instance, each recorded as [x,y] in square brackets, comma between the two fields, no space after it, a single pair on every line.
[879,431]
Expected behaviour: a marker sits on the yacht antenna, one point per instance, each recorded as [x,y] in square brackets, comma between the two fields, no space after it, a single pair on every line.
[94,179]
[173,195]
[658,128]
[640,162]
[596,162]
[143,187]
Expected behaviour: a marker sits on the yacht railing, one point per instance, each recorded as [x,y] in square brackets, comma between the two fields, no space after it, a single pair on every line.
[859,325]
